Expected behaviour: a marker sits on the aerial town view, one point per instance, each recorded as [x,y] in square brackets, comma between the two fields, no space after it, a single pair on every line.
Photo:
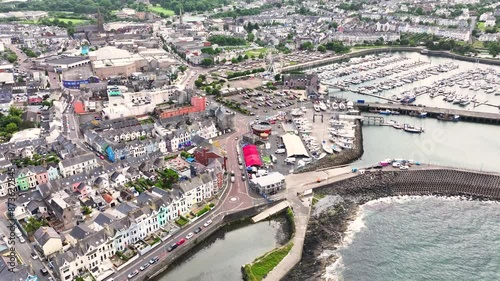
[249,140]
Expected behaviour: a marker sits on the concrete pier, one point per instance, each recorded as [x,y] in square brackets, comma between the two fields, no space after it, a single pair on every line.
[465,115]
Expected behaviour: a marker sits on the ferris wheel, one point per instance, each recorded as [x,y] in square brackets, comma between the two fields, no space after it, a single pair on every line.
[273,61]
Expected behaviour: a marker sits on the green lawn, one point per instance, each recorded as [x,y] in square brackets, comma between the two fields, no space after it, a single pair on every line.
[255,52]
[263,265]
[480,26]
[478,44]
[159,9]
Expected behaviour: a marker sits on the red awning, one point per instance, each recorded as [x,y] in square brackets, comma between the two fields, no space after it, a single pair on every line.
[252,157]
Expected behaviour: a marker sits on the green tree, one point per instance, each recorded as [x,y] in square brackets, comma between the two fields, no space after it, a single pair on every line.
[207,62]
[12,57]
[250,37]
[11,128]
[33,224]
[307,46]
[277,77]
[182,68]
[198,83]
[321,48]
[261,55]
[234,60]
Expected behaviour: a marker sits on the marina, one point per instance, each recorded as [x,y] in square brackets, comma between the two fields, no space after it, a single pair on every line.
[438,82]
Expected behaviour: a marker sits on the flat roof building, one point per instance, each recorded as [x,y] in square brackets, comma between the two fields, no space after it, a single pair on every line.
[269,184]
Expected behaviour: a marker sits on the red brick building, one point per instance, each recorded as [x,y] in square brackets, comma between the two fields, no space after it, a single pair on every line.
[198,104]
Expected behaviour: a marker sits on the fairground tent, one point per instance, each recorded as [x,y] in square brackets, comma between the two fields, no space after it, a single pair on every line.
[252,157]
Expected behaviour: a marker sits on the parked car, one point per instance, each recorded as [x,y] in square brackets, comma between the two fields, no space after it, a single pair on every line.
[189,235]
[146,265]
[209,222]
[34,256]
[133,274]
[21,239]
[172,247]
[198,230]
[182,241]
[154,260]
[44,272]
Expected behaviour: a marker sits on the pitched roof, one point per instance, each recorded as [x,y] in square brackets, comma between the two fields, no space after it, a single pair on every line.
[44,234]
[80,231]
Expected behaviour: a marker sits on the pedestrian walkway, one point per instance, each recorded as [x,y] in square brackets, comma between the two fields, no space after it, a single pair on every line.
[301,216]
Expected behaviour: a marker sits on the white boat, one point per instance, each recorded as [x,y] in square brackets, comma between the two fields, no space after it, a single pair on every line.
[336,148]
[343,145]
[411,129]
[316,108]
[335,106]
[326,147]
[322,106]
[342,106]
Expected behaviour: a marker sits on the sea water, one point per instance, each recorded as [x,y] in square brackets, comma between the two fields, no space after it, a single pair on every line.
[422,238]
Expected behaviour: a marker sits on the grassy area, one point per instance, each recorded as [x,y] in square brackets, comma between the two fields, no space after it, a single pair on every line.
[478,44]
[182,221]
[255,52]
[263,265]
[481,26]
[75,21]
[159,9]
[292,62]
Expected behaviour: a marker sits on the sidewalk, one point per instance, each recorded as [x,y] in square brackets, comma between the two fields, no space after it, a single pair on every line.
[301,216]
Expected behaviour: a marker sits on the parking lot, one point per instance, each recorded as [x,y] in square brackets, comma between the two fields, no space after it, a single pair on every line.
[265,103]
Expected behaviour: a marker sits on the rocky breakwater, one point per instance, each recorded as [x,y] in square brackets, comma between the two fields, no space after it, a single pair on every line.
[330,218]
[342,158]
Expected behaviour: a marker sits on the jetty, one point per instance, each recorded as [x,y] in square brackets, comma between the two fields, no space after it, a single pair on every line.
[465,115]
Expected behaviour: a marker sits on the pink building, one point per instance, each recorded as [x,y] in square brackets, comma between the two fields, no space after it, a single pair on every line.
[41,174]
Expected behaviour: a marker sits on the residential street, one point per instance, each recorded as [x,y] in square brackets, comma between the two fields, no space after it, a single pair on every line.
[235,197]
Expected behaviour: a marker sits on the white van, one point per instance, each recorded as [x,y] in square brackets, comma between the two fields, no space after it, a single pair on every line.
[290,160]
[280,151]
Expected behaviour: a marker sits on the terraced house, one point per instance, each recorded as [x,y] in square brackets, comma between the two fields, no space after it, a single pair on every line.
[26,178]
[89,254]
[78,164]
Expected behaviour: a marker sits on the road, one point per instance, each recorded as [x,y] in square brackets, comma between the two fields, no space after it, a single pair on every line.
[22,59]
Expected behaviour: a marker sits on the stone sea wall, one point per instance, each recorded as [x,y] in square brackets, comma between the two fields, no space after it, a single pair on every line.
[332,214]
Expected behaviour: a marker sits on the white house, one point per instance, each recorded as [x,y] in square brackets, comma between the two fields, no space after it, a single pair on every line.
[78,164]
[490,21]
[90,254]
[48,239]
